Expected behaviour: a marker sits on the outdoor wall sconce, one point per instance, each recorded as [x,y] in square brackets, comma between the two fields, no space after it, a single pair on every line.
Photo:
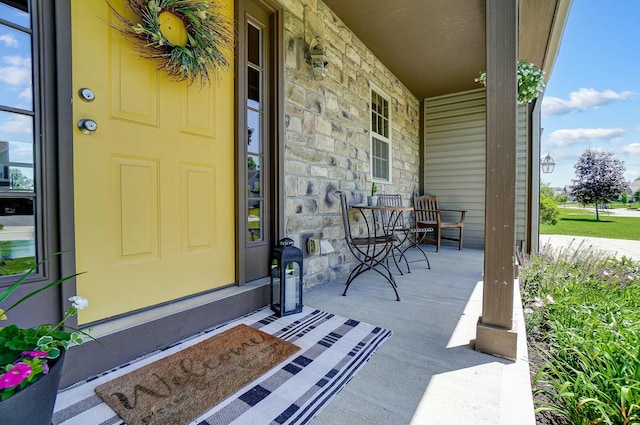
[548,164]
[286,278]
[317,59]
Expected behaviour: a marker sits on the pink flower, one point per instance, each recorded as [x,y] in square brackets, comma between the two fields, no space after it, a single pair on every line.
[39,354]
[15,376]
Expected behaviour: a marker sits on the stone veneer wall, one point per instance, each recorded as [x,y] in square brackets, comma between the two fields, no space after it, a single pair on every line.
[327,145]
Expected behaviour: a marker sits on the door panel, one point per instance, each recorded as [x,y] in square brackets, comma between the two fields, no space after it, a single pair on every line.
[154,185]
[135,210]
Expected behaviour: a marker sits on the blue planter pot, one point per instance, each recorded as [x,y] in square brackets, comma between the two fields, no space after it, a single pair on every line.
[34,404]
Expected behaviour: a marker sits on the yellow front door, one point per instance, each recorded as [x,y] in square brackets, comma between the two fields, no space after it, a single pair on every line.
[154,216]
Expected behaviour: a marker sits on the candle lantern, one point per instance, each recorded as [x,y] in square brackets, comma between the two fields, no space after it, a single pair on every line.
[286,278]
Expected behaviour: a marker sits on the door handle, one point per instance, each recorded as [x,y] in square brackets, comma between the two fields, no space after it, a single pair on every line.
[87,126]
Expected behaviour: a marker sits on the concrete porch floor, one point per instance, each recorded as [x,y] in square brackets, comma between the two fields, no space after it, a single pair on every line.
[427,372]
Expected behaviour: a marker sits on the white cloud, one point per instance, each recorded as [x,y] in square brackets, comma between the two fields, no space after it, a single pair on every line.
[21,152]
[581,100]
[18,71]
[25,94]
[17,124]
[9,40]
[567,137]
[633,148]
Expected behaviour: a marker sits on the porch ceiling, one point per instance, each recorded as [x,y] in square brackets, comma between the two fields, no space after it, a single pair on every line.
[437,47]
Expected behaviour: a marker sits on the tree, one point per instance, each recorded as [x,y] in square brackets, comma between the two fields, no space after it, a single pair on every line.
[624,198]
[548,207]
[561,199]
[19,181]
[251,164]
[599,179]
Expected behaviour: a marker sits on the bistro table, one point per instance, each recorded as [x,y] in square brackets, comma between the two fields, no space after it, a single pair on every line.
[372,251]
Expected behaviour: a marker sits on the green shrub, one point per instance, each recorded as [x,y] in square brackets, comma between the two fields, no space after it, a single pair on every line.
[549,211]
[584,309]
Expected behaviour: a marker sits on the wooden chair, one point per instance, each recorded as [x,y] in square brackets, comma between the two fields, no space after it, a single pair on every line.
[412,235]
[429,214]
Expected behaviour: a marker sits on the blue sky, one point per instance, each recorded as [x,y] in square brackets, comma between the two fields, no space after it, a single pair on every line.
[592,99]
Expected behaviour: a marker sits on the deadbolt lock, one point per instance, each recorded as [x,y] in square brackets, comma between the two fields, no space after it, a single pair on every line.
[87,126]
[86,94]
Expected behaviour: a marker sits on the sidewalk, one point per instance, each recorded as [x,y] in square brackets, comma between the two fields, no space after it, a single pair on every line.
[615,247]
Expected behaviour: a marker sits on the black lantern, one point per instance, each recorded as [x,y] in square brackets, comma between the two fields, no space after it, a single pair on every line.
[286,278]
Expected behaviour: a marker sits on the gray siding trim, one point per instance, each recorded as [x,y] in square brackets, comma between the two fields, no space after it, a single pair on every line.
[522,129]
[454,157]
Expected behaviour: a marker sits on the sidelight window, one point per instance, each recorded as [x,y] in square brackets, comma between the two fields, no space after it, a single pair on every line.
[18,127]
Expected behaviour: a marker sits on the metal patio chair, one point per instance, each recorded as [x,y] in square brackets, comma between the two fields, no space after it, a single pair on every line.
[370,251]
[410,235]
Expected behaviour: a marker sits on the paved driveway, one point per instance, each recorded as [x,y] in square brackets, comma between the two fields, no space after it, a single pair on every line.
[617,247]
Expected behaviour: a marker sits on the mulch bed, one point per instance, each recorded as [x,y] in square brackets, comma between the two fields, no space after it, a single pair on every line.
[535,361]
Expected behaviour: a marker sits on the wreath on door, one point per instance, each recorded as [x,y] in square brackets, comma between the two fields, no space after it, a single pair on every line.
[190,39]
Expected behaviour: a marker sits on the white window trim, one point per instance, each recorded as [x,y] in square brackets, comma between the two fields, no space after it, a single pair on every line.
[384,95]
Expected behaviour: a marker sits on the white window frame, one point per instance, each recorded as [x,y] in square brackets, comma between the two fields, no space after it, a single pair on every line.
[374,134]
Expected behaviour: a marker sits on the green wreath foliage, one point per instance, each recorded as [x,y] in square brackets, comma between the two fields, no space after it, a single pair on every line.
[209,37]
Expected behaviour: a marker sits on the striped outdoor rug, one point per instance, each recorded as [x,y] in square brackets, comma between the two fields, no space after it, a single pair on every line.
[333,349]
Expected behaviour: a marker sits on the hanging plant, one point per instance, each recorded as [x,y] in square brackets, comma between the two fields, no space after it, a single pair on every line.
[189,39]
[530,81]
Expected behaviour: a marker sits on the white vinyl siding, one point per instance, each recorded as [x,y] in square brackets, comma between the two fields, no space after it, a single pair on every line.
[454,158]
[380,136]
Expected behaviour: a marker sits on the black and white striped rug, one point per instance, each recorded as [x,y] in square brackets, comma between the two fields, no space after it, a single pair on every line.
[333,349]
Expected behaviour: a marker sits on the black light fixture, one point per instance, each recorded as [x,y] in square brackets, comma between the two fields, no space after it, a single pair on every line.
[317,59]
[286,278]
[548,164]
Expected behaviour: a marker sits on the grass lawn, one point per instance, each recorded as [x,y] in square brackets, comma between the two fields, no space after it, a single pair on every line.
[578,222]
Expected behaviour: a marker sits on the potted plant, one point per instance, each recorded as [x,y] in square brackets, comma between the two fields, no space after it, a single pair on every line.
[31,359]
[530,81]
[372,200]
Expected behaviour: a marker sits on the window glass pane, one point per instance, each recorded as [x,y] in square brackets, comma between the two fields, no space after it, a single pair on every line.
[253,48]
[16,152]
[15,69]
[17,13]
[380,159]
[254,79]
[379,115]
[254,144]
[374,123]
[17,235]
[254,221]
[254,177]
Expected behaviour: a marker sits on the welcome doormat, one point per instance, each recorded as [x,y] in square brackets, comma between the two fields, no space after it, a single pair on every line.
[332,350]
[179,388]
